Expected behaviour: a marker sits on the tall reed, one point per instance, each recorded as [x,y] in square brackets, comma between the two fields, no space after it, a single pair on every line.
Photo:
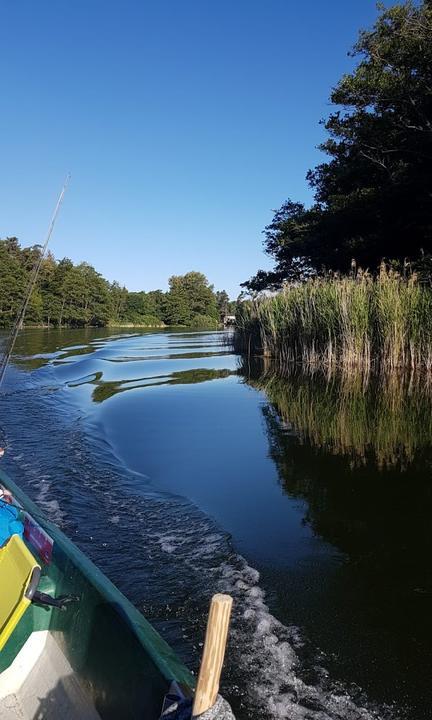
[348,321]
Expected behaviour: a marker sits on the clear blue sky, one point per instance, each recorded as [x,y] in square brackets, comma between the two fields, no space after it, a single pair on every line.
[182,122]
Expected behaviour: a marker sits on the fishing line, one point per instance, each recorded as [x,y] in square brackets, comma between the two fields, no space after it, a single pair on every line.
[32,281]
[27,295]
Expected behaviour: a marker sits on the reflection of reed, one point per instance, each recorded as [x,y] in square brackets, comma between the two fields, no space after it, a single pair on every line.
[384,417]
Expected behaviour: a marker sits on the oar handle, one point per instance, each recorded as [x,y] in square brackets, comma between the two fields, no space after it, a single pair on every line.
[213,653]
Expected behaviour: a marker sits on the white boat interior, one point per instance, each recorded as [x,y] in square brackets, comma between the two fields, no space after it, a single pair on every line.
[40,685]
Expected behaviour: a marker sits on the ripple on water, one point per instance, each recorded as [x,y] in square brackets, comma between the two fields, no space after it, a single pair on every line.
[169,558]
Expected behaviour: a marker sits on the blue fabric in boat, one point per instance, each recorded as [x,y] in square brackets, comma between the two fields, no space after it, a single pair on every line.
[10,524]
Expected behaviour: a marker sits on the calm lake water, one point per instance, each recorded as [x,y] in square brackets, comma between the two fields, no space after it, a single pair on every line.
[183,470]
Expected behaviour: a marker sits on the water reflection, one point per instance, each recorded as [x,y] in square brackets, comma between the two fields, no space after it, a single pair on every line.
[357,451]
[107,389]
[169,356]
[36,341]
[385,419]
[35,347]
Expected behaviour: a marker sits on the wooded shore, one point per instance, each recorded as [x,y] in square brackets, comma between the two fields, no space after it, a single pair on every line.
[78,296]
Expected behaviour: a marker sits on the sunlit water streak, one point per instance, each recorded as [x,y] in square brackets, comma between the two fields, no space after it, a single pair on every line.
[165,552]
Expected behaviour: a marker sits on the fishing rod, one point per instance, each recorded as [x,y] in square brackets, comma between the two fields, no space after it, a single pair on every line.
[30,287]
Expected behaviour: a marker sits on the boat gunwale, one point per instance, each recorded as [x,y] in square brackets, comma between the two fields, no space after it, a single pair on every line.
[161,654]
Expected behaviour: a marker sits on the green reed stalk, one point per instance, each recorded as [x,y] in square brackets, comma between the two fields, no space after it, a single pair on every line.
[347,321]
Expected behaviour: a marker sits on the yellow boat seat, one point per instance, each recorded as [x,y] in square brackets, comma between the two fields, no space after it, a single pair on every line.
[19,577]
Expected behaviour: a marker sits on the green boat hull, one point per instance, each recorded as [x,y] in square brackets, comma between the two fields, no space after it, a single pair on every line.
[122,664]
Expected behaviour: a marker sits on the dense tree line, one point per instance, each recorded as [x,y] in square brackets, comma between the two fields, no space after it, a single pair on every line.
[373,196]
[77,295]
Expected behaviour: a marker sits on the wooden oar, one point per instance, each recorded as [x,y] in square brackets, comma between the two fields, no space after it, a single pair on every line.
[213,654]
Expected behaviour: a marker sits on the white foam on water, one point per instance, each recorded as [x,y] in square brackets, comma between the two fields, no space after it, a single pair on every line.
[264,666]
[267,653]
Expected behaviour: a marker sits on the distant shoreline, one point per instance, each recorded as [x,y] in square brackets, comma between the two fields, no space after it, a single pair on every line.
[161,326]
[136,325]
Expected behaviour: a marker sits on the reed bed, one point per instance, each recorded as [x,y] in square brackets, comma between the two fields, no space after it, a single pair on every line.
[383,321]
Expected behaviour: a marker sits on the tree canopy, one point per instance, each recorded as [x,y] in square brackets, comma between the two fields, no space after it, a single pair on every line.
[190,295]
[77,295]
[373,195]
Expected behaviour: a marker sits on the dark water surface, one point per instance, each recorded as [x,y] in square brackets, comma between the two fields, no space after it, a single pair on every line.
[182,471]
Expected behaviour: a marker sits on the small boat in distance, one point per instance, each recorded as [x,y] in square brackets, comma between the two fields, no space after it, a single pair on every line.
[72,647]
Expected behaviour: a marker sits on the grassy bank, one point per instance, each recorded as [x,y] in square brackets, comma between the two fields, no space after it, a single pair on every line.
[348,321]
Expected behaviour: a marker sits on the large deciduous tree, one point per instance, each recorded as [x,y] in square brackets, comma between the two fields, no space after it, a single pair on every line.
[373,196]
[190,295]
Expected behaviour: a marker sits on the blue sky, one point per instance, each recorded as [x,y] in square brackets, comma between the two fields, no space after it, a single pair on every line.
[182,122]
